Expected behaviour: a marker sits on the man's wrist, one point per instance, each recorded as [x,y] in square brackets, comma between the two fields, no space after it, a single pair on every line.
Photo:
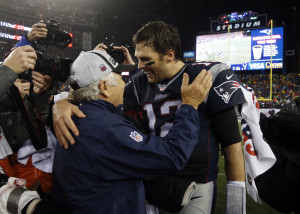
[235,197]
[237,183]
[190,104]
[25,41]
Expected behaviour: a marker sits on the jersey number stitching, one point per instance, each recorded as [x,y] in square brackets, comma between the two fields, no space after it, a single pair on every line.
[165,109]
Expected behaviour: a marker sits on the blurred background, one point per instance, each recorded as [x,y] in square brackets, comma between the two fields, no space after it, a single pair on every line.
[210,30]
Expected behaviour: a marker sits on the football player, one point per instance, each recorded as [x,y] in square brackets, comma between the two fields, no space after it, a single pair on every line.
[153,97]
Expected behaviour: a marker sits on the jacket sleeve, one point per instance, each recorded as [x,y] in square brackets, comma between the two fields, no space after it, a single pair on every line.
[130,153]
[7,78]
[24,41]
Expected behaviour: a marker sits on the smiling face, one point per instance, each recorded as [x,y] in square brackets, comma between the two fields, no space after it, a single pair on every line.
[157,71]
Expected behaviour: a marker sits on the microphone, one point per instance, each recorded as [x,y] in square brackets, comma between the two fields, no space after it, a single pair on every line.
[149,64]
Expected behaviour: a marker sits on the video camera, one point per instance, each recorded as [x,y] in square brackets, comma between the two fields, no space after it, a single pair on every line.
[55,36]
[58,69]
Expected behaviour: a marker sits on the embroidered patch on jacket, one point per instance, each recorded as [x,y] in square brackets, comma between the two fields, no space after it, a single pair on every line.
[136,136]
[226,89]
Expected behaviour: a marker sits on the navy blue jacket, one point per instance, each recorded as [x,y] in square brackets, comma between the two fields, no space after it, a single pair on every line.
[103,171]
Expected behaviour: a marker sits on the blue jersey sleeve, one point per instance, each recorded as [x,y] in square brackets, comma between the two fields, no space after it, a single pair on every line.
[226,90]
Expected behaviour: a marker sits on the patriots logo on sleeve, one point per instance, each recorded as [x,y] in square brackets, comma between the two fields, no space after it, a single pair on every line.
[226,89]
[136,136]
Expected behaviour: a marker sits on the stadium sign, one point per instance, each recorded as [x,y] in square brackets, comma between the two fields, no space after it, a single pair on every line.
[257,66]
[238,23]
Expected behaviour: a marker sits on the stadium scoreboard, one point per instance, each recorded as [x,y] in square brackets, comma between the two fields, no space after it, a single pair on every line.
[243,41]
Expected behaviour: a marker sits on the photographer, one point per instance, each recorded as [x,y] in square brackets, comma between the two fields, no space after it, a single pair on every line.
[36,154]
[14,195]
[33,157]
[45,34]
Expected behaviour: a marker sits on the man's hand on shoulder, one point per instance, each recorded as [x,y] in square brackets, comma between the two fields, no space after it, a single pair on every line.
[194,94]
[62,122]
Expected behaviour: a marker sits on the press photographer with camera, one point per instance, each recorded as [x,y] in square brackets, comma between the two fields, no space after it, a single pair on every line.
[15,197]
[45,34]
[41,78]
[23,125]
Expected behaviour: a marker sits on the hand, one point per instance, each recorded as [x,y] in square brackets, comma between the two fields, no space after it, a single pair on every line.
[62,113]
[21,59]
[101,47]
[37,31]
[128,59]
[41,82]
[195,93]
[23,87]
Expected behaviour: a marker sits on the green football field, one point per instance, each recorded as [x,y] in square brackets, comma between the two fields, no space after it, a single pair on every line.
[252,206]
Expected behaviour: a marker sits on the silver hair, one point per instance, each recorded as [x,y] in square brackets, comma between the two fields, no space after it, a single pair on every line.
[91,91]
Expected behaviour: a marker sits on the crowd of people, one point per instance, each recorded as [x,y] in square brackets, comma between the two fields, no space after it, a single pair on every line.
[161,144]
[285,88]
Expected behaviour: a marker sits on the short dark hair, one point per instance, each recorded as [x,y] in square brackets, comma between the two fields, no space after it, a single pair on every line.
[161,36]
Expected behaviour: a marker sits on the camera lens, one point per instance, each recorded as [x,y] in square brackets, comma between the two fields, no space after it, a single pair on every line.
[61,69]
[62,39]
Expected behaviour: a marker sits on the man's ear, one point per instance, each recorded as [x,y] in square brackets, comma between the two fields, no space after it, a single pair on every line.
[170,55]
[103,88]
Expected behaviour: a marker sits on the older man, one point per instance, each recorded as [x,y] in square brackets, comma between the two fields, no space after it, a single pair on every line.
[103,171]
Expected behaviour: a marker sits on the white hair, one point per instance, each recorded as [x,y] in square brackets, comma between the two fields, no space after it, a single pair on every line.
[91,91]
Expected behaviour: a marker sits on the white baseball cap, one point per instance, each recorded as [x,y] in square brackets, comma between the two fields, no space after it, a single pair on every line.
[91,66]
